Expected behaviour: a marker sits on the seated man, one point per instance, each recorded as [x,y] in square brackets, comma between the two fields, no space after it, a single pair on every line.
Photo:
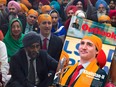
[29,67]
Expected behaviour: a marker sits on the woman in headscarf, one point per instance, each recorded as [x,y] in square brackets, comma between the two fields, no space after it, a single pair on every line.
[57,28]
[14,36]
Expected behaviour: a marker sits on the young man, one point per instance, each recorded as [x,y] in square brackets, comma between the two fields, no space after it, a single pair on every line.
[29,67]
[50,42]
[89,75]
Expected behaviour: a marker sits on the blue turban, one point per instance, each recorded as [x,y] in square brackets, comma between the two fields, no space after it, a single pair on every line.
[101,2]
[55,5]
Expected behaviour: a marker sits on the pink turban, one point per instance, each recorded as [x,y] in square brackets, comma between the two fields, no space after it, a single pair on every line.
[15,4]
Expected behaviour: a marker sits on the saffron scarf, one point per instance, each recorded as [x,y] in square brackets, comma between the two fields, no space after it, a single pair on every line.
[85,79]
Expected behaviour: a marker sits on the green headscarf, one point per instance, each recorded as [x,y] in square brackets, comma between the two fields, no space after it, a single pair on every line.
[13,45]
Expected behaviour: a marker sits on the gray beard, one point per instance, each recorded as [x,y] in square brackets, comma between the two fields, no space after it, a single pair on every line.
[101,13]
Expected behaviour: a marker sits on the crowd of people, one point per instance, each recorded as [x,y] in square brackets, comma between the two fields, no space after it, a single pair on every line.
[36,29]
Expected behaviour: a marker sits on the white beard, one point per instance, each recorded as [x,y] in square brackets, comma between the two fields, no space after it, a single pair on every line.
[101,13]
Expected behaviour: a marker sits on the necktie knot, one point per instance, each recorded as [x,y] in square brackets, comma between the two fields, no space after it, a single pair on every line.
[45,39]
[79,67]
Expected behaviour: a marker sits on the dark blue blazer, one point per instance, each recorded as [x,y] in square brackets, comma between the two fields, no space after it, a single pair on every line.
[19,69]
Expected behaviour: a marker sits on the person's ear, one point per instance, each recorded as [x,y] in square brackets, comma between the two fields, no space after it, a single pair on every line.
[97,52]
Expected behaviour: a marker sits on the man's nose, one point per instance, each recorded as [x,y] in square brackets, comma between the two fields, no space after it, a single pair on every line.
[84,46]
[35,49]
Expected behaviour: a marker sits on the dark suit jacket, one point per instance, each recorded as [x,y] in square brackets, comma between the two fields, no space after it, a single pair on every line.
[55,47]
[19,69]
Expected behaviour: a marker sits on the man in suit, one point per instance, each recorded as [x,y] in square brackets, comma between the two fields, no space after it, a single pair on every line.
[53,44]
[90,74]
[50,42]
[30,24]
[21,67]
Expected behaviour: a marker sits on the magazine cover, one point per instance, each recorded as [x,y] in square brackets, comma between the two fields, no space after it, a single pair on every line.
[91,75]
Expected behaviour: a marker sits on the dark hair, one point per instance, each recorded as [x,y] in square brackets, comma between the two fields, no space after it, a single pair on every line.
[53,11]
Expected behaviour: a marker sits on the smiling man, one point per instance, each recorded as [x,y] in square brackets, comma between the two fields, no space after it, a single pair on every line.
[86,73]
[50,42]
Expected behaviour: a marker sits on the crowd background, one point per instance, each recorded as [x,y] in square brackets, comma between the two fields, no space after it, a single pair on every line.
[19,17]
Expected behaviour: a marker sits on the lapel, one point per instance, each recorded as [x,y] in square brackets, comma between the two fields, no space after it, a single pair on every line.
[24,62]
[50,45]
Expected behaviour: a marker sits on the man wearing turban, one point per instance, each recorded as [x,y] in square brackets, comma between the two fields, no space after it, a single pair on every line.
[84,73]
[101,9]
[46,9]
[31,21]
[105,19]
[13,8]
[50,42]
[13,12]
[30,65]
[112,15]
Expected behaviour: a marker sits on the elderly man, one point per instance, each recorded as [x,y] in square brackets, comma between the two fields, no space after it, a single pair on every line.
[86,73]
[13,8]
[30,66]
[101,9]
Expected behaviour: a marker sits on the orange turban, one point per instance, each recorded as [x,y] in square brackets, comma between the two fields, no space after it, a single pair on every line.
[96,40]
[104,18]
[23,8]
[27,3]
[43,17]
[32,11]
[3,2]
[46,8]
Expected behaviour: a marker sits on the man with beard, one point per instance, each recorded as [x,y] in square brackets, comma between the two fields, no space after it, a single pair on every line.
[112,5]
[101,9]
[29,67]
